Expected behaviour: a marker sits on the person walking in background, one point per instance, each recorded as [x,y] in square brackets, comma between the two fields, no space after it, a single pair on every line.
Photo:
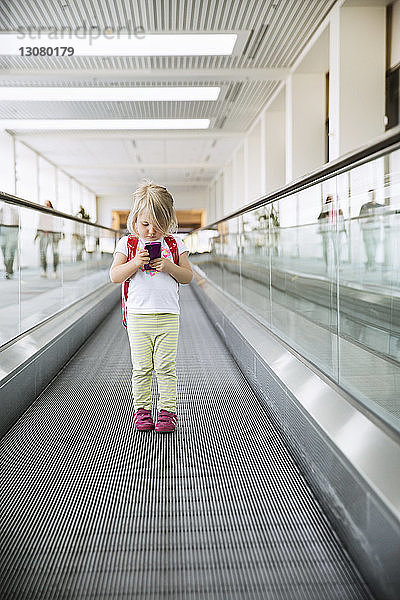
[9,227]
[153,301]
[79,237]
[371,214]
[331,222]
[48,237]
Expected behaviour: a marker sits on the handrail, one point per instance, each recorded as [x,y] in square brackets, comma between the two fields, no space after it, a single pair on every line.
[311,224]
[354,158]
[10,199]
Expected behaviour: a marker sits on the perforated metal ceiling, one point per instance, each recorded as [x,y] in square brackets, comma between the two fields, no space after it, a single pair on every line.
[275,31]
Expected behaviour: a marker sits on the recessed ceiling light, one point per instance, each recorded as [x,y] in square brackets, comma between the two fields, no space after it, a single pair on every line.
[117,44]
[109,94]
[21,124]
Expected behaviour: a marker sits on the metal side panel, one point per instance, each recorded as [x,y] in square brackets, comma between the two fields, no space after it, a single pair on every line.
[29,363]
[350,463]
[92,508]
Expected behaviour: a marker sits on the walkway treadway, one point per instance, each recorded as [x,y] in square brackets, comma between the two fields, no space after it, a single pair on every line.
[92,508]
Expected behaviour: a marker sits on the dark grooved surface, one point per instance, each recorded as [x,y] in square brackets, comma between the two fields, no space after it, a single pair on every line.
[92,508]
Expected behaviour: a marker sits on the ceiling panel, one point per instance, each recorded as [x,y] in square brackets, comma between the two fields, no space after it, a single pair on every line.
[279,27]
[275,31]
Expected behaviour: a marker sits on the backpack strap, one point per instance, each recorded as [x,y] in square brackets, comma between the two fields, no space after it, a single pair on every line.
[171,241]
[132,244]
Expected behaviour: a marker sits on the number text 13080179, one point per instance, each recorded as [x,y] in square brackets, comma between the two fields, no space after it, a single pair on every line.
[46,51]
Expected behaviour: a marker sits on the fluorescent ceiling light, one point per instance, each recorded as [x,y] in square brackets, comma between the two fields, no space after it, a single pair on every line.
[116,44]
[109,94]
[22,124]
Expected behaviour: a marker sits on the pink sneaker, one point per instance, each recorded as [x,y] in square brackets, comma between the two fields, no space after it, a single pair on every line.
[166,421]
[143,420]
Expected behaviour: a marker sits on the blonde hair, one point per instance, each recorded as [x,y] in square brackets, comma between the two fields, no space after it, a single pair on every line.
[160,205]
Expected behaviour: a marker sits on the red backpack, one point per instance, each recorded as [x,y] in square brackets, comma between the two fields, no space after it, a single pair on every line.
[132,247]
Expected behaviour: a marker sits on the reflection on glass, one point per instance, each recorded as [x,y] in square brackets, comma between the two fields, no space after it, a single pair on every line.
[255,261]
[9,226]
[48,239]
[321,268]
[48,262]
[370,219]
[231,258]
[330,221]
[41,284]
[9,234]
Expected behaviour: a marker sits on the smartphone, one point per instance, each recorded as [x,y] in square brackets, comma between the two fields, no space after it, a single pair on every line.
[154,250]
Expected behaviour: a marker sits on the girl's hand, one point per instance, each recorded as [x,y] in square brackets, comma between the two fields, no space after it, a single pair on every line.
[160,264]
[141,258]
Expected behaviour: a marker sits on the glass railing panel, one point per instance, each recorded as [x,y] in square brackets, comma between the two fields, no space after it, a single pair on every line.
[370,287]
[99,255]
[74,260]
[231,258]
[9,265]
[86,259]
[41,239]
[303,278]
[48,262]
[255,262]
[321,268]
[202,249]
[214,268]
[218,255]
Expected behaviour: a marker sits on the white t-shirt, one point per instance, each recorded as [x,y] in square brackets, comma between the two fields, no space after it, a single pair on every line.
[152,291]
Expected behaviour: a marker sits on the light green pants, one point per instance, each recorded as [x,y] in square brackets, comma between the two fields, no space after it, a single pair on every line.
[153,340]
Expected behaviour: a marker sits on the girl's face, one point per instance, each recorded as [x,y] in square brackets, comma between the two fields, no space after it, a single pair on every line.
[146,229]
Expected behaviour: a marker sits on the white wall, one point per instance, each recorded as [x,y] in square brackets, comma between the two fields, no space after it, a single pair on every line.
[31,177]
[27,172]
[185,198]
[362,75]
[47,183]
[254,166]
[228,188]
[275,149]
[212,199]
[190,197]
[395,54]
[239,178]
[7,175]
[219,204]
[305,123]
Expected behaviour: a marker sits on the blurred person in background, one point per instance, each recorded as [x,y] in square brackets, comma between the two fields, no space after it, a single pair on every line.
[47,236]
[9,227]
[331,224]
[370,216]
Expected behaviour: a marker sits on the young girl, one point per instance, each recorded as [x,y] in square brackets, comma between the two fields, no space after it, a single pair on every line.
[153,303]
